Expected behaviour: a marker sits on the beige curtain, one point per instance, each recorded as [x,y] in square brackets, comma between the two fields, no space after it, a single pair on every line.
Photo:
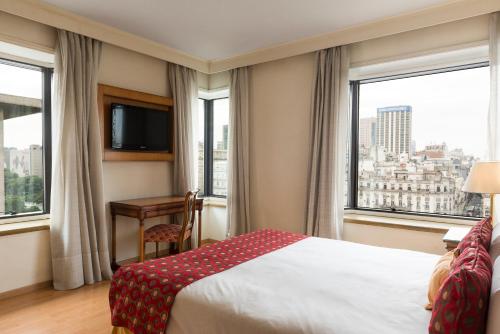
[238,185]
[327,158]
[184,88]
[78,230]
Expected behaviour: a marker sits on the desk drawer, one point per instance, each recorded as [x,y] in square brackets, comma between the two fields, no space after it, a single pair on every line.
[163,212]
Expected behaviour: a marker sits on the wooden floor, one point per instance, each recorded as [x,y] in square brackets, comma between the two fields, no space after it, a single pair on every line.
[80,311]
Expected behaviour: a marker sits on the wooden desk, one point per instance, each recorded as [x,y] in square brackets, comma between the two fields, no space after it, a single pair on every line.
[143,208]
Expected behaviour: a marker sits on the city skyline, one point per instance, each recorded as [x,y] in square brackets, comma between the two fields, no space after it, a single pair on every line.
[456,102]
[394,176]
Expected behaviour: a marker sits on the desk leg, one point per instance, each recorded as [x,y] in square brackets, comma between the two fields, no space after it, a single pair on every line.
[114,265]
[199,228]
[141,240]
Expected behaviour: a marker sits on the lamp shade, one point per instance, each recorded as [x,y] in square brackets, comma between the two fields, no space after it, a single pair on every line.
[484,178]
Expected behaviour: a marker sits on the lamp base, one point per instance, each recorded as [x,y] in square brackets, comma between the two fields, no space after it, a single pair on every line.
[492,206]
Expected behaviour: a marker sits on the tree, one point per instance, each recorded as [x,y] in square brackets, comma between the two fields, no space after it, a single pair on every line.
[22,190]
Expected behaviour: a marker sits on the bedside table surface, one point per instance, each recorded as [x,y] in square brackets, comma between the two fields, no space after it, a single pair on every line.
[456,234]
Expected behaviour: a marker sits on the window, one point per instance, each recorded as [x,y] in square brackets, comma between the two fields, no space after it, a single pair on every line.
[426,128]
[213,131]
[25,138]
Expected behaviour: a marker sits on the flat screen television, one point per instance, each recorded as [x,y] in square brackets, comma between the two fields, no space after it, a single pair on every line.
[141,129]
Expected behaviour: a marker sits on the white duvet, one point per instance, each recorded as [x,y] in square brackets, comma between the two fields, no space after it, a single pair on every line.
[313,286]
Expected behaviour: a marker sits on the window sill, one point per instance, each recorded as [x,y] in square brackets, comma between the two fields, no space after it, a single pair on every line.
[39,224]
[423,224]
[215,202]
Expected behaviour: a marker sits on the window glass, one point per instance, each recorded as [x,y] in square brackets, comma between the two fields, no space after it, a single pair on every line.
[21,128]
[220,149]
[201,145]
[418,139]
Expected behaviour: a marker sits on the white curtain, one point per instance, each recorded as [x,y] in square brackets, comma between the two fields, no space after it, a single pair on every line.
[327,157]
[78,230]
[494,110]
[238,185]
[184,87]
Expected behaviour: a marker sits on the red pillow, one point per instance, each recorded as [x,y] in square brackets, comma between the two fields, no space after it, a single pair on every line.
[482,229]
[462,301]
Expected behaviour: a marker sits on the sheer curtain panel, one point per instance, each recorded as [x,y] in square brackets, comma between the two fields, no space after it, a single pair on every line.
[238,185]
[494,110]
[184,88]
[79,238]
[327,157]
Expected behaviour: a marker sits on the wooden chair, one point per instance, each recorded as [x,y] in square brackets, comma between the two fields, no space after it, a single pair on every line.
[174,233]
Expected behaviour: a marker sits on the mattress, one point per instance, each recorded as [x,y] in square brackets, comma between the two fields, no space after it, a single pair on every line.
[312,286]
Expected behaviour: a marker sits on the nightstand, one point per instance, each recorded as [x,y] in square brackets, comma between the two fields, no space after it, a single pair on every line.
[454,236]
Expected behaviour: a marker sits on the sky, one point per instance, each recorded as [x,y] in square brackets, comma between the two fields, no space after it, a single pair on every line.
[449,107]
[221,118]
[23,131]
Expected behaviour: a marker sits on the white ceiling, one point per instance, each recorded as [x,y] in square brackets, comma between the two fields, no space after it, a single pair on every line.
[219,29]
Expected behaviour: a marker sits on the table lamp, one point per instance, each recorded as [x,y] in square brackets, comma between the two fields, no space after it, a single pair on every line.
[484,178]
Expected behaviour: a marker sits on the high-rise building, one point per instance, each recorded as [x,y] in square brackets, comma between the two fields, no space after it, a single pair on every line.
[27,162]
[36,160]
[367,132]
[394,129]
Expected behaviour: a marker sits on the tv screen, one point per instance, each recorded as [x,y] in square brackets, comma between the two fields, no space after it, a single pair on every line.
[141,129]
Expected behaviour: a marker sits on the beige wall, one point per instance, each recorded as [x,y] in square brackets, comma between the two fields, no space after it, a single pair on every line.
[134,179]
[25,32]
[218,80]
[279,142]
[421,41]
[429,242]
[24,259]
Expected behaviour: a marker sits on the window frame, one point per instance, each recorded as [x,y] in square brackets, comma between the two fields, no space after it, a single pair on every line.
[208,168]
[353,149]
[46,106]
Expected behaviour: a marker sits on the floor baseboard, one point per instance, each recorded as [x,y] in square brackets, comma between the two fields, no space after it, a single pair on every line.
[48,284]
[25,289]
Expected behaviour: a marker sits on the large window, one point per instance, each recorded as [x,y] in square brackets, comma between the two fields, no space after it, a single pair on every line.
[24,138]
[213,120]
[416,137]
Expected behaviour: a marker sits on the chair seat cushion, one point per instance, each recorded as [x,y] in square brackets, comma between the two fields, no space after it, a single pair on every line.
[162,233]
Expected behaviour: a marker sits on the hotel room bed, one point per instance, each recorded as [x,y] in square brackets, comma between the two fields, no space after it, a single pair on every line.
[312,285]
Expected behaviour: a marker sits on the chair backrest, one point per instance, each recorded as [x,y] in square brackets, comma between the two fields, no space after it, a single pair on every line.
[189,216]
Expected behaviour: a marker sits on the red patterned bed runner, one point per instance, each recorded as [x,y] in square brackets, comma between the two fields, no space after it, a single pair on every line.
[142,294]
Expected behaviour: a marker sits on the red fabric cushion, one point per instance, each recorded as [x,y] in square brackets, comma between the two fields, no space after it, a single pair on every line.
[462,301]
[482,229]
[163,233]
